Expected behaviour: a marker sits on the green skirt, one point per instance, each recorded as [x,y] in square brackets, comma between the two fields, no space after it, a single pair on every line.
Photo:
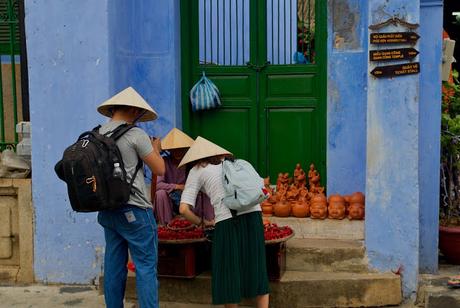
[226,287]
[254,277]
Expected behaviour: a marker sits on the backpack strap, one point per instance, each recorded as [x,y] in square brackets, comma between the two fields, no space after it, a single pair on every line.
[120,131]
[139,165]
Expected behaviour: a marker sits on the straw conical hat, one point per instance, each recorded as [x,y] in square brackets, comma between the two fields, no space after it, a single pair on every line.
[202,148]
[176,139]
[128,97]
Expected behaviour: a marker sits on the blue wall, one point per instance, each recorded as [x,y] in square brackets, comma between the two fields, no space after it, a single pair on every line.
[81,53]
[347,97]
[392,185]
[431,16]
[68,77]
[145,54]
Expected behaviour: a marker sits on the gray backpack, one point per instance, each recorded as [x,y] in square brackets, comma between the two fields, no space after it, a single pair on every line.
[243,186]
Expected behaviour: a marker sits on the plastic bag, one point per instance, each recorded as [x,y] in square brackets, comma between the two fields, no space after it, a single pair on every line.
[205,95]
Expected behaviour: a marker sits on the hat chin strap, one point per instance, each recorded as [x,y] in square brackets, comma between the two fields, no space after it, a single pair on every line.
[139,116]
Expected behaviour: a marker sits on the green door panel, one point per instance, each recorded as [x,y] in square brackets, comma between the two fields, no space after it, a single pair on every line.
[291,136]
[291,85]
[226,128]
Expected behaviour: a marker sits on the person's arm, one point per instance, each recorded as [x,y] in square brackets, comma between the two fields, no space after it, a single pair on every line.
[154,160]
[184,210]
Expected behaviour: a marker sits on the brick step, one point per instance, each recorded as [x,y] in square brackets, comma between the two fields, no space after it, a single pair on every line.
[322,229]
[296,289]
[326,255]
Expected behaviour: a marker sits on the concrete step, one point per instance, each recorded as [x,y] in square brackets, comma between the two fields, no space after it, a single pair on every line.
[325,229]
[433,291]
[326,255]
[296,289]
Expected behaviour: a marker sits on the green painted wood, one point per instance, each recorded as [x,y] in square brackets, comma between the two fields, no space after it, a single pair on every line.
[273,116]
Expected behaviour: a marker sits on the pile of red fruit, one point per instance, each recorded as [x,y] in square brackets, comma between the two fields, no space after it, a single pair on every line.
[165,233]
[273,232]
[179,223]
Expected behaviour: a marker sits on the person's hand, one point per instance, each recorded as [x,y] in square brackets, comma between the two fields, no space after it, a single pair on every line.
[208,223]
[156,143]
[179,187]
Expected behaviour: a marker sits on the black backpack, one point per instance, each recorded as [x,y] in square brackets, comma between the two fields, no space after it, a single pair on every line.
[87,167]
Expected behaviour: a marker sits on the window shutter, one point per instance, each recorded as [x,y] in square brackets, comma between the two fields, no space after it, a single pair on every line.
[5,19]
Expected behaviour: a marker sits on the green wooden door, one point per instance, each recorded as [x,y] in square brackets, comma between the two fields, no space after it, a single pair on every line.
[274,107]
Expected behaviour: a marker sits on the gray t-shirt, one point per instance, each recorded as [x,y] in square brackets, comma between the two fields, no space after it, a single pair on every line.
[133,145]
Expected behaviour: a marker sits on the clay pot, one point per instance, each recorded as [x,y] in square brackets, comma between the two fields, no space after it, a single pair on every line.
[347,198]
[356,211]
[300,209]
[357,197]
[449,243]
[319,198]
[318,211]
[336,208]
[267,208]
[282,208]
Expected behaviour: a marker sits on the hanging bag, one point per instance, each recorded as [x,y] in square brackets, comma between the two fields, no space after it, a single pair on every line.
[205,95]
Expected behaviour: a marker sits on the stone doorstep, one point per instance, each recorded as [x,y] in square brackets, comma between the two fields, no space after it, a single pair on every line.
[433,291]
[326,255]
[296,289]
[322,229]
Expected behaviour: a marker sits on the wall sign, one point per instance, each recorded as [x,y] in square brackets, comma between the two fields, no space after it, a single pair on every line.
[386,38]
[393,54]
[396,70]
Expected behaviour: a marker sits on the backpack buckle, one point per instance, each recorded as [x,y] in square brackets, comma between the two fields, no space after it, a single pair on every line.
[85,142]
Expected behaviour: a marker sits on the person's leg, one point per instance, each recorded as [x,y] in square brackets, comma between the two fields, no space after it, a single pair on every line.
[163,207]
[115,258]
[262,301]
[141,234]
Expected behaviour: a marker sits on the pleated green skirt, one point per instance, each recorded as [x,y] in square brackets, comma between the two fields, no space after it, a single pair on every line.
[226,286]
[238,259]
[254,277]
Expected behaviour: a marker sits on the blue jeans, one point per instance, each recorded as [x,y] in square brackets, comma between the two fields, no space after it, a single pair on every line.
[134,228]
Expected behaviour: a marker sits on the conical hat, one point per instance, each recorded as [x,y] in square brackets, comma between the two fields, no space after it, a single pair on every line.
[176,139]
[202,148]
[128,97]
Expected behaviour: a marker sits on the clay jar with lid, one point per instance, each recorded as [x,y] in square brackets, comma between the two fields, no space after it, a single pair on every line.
[300,209]
[267,208]
[318,207]
[356,210]
[336,208]
[282,208]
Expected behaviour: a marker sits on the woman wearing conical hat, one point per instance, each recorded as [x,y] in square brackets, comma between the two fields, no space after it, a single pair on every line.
[170,186]
[238,245]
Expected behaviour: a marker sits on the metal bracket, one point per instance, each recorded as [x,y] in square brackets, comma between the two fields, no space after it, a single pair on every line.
[394,21]
[257,68]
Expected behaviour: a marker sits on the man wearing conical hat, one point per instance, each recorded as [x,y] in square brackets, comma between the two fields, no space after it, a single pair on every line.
[133,225]
[170,185]
[238,244]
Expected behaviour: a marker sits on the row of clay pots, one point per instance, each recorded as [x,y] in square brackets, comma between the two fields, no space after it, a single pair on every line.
[338,207]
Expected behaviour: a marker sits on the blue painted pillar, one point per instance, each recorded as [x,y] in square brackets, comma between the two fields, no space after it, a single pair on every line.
[68,61]
[347,97]
[431,17]
[392,179]
[145,54]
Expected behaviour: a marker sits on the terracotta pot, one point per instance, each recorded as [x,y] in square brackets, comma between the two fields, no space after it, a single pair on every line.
[267,208]
[300,209]
[357,197]
[356,211]
[318,210]
[319,198]
[347,198]
[282,209]
[336,208]
[449,243]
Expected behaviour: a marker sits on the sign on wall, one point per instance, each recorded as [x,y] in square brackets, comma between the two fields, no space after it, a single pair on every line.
[395,54]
